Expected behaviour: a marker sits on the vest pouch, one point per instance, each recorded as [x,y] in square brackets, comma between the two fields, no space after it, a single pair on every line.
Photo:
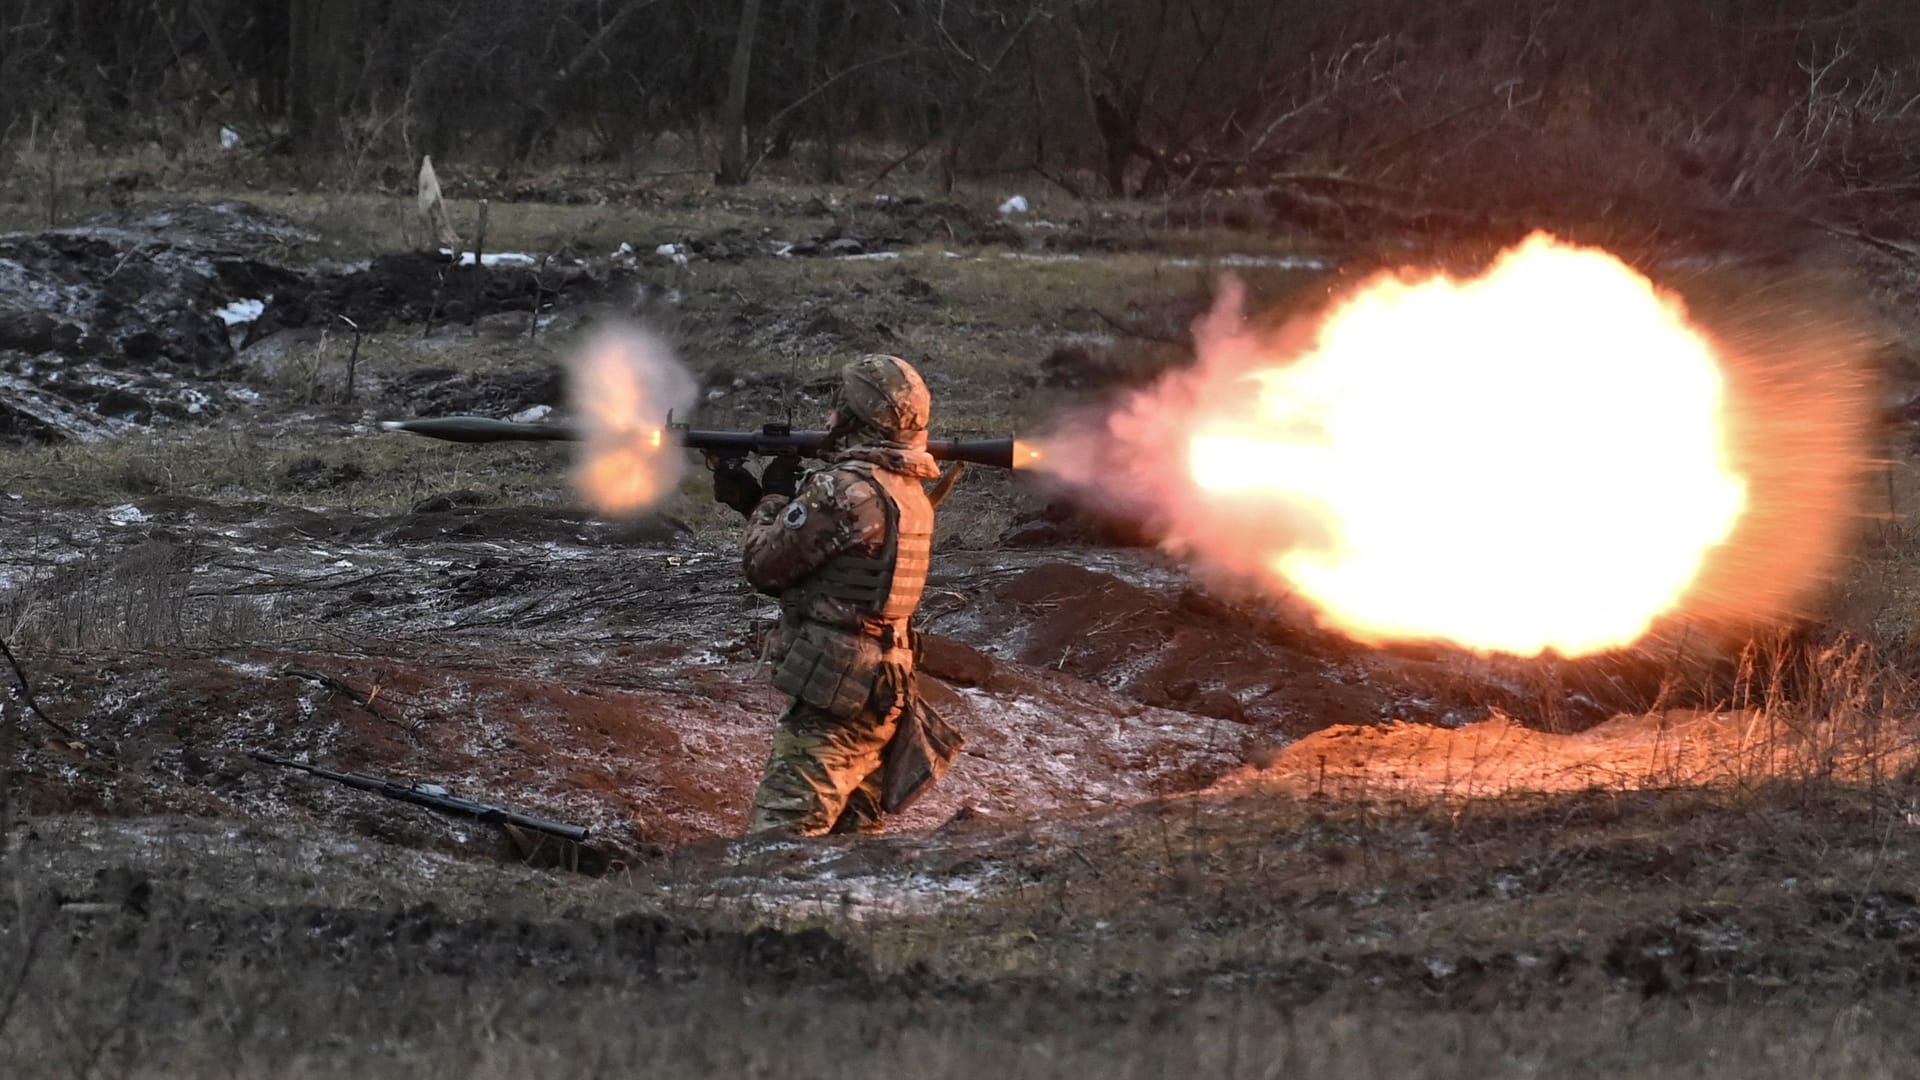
[829,669]
[919,754]
[779,640]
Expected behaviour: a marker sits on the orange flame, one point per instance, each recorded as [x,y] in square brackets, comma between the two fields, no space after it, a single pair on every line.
[1539,458]
[1560,376]
[622,386]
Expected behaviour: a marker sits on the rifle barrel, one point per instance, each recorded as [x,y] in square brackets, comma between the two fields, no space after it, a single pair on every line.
[484,812]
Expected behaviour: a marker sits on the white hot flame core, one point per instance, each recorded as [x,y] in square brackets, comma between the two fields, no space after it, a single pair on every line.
[1533,459]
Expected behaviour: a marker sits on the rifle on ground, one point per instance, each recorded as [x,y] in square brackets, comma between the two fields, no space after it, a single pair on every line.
[772,440]
[434,797]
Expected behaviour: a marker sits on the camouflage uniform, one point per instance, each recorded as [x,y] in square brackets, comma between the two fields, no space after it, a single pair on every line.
[847,557]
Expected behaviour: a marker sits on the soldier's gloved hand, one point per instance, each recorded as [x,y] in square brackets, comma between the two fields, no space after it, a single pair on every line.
[734,486]
[782,477]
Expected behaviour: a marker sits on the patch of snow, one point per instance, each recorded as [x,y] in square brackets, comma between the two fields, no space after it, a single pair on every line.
[869,256]
[229,139]
[126,514]
[1723,939]
[676,252]
[1509,886]
[531,415]
[1016,205]
[499,258]
[1267,262]
[565,552]
[243,393]
[826,892]
[241,312]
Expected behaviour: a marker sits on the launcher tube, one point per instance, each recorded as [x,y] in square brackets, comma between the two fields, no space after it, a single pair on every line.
[774,440]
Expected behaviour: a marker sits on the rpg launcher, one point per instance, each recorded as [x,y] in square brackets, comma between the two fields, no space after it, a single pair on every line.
[773,440]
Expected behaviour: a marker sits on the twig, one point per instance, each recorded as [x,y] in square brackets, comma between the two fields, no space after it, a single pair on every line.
[480,237]
[53,183]
[1060,182]
[479,265]
[341,686]
[353,357]
[433,311]
[26,694]
[290,584]
[771,126]
[539,290]
[899,161]
[1136,333]
[1869,239]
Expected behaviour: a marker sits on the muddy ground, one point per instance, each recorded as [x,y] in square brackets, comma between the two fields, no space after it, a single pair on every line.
[1190,829]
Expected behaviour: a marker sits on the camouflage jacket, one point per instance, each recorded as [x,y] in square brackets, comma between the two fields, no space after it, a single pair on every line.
[836,511]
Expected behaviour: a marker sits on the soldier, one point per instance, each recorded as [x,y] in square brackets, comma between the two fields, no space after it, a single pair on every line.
[845,550]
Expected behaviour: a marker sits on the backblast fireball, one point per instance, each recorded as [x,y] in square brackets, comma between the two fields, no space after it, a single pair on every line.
[623,385]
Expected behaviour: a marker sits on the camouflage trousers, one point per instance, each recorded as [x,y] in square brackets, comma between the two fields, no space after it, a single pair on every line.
[824,774]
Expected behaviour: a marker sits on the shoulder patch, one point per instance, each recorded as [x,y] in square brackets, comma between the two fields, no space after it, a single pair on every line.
[796,515]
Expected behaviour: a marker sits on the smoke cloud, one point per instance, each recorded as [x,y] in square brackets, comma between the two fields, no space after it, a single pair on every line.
[621,386]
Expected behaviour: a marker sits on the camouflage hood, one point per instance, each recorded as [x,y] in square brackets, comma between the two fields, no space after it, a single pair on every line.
[891,456]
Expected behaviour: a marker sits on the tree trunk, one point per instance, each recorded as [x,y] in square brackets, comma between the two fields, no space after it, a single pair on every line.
[300,109]
[319,35]
[733,115]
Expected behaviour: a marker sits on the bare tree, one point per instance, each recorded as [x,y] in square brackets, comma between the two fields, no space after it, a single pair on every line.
[320,35]
[733,116]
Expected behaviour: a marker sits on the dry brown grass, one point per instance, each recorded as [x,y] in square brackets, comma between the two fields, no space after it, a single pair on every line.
[1678,934]
[980,339]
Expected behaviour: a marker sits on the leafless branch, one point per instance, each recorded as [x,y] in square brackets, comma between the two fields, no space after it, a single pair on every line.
[26,695]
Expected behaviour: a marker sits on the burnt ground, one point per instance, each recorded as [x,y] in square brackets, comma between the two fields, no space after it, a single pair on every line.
[1189,829]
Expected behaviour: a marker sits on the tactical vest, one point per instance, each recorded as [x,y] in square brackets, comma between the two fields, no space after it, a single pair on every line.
[886,585]
[835,668]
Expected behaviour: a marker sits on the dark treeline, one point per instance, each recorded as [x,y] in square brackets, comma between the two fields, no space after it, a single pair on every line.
[1722,101]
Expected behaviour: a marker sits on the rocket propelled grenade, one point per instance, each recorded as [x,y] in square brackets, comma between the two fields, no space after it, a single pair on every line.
[772,440]
[480,429]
